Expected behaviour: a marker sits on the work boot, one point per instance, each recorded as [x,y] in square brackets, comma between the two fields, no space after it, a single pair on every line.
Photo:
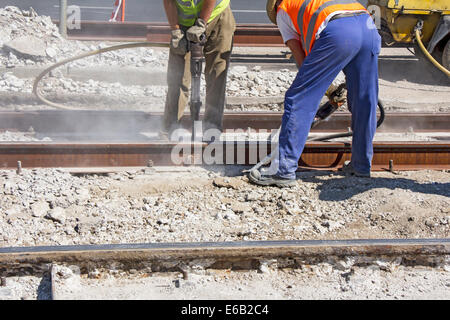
[270,180]
[348,170]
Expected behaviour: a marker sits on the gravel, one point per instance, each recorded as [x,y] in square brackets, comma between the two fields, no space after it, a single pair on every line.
[18,136]
[54,207]
[310,282]
[26,26]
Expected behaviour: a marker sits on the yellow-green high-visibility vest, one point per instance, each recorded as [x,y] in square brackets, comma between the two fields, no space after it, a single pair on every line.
[189,10]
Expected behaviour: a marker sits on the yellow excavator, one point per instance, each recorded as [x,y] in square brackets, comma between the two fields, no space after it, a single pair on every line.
[422,22]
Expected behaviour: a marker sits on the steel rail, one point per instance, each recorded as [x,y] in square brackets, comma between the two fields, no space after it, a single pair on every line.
[237,255]
[112,126]
[255,35]
[245,35]
[317,155]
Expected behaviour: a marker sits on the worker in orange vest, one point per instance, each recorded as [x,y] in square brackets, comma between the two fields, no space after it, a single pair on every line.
[325,37]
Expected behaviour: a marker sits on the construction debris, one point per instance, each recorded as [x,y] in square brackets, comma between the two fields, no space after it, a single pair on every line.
[136,77]
[27,27]
[53,207]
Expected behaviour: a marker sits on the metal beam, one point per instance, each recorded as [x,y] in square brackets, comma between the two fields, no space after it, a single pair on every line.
[239,255]
[316,155]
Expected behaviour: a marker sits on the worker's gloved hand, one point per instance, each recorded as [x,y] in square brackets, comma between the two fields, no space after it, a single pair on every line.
[337,94]
[197,33]
[178,42]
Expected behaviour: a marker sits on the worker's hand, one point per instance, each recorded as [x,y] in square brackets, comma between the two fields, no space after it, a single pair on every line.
[197,33]
[178,43]
[337,94]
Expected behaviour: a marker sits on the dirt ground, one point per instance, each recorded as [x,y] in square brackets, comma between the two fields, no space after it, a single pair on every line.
[49,207]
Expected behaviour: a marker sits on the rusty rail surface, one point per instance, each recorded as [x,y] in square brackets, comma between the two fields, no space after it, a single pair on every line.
[254,35]
[317,155]
[236,255]
[245,35]
[114,139]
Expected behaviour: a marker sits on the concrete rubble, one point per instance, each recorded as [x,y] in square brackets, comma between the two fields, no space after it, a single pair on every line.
[323,281]
[53,207]
[12,136]
[25,25]
[49,47]
[136,77]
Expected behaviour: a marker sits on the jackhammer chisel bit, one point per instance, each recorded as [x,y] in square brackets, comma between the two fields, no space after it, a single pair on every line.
[196,49]
[336,98]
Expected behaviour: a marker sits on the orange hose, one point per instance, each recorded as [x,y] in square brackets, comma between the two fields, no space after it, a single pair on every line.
[123,10]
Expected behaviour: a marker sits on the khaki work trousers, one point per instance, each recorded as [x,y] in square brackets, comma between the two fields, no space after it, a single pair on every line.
[217,52]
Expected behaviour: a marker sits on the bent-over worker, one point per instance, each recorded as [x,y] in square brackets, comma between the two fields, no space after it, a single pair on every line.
[326,37]
[190,20]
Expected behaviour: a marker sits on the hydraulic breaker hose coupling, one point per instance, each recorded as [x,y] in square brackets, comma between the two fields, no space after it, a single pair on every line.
[196,49]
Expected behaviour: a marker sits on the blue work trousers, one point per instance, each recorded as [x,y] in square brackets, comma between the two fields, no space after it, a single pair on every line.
[351,44]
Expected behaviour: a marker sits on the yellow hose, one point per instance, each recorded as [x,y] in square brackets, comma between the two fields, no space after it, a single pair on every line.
[428,55]
[81,56]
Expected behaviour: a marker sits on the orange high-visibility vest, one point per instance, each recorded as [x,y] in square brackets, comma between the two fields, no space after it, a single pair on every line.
[308,15]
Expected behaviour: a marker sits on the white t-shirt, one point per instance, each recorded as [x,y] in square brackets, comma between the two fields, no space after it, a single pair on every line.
[287,28]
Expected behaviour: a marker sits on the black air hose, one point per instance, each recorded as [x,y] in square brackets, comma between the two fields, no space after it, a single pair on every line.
[350,133]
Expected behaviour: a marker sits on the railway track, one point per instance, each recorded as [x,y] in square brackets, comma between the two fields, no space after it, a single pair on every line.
[320,155]
[166,260]
[163,260]
[248,255]
[245,35]
[85,139]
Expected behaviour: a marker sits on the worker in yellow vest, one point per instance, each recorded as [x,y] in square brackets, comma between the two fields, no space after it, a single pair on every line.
[325,37]
[190,20]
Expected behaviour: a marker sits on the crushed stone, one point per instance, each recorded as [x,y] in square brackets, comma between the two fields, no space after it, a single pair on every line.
[54,207]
